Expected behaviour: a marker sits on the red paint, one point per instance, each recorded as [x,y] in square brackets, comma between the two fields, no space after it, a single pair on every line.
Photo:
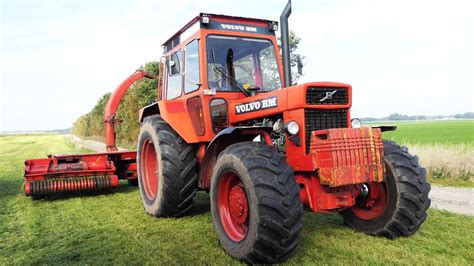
[322,198]
[114,181]
[347,156]
[374,205]
[61,172]
[71,184]
[232,205]
[149,169]
[27,189]
[175,107]
[113,104]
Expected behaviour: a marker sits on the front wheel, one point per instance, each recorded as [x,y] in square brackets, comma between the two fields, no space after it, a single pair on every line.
[255,203]
[398,206]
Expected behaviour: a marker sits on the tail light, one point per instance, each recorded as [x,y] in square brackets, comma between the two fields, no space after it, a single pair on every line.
[195,113]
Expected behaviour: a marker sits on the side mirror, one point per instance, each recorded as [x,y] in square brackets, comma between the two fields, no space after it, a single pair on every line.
[299,64]
[174,64]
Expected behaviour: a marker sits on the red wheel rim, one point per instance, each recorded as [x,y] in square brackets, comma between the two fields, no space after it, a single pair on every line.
[149,168]
[233,207]
[374,204]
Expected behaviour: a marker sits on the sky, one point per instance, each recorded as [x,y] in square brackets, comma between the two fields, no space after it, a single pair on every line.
[407,56]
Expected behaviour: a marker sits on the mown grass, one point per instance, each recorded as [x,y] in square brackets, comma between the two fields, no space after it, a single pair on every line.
[445,148]
[113,228]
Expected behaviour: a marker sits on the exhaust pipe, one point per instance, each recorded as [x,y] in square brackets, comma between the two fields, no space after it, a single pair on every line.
[285,44]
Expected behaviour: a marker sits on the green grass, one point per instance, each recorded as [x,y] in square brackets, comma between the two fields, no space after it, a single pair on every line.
[431,132]
[445,147]
[451,182]
[114,229]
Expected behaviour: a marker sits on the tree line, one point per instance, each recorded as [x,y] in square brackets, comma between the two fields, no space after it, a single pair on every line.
[142,93]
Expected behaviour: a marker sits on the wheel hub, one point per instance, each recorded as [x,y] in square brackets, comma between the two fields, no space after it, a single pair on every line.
[149,169]
[233,206]
[373,204]
[238,205]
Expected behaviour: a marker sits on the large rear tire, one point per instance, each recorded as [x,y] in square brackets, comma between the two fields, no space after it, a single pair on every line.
[398,206]
[166,169]
[255,203]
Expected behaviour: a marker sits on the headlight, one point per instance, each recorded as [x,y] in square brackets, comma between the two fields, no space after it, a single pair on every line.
[356,123]
[292,128]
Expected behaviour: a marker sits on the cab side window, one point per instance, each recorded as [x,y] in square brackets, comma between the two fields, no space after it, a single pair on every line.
[175,77]
[192,82]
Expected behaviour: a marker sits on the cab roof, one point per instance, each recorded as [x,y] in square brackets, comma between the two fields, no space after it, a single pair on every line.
[225,23]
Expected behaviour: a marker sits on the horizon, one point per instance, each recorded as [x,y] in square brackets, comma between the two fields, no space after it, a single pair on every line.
[363,119]
[62,56]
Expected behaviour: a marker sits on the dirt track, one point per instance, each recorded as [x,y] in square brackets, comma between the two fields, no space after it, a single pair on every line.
[457,200]
[89,144]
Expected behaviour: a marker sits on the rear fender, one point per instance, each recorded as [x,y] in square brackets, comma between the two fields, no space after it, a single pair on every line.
[224,139]
[148,110]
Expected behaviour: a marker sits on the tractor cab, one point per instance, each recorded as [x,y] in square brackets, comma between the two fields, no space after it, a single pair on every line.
[240,56]
[212,61]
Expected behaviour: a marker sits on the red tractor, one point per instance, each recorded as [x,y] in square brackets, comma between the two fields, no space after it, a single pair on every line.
[228,121]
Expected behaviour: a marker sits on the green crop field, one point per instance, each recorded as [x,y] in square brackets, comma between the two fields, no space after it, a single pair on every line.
[445,132]
[445,148]
[114,229]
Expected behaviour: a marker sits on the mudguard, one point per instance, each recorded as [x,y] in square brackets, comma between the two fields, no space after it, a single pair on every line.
[224,139]
[148,110]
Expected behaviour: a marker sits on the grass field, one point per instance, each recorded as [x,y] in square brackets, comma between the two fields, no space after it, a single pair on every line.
[446,132]
[445,148]
[114,229]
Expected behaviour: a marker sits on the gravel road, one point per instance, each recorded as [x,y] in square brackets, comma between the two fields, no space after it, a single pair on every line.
[457,200]
[89,144]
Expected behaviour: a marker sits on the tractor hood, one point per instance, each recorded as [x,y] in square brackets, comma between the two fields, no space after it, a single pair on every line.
[307,95]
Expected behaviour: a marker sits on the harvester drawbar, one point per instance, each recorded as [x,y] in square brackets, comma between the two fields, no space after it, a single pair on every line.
[86,172]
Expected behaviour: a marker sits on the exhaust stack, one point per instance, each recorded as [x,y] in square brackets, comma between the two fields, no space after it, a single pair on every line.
[285,44]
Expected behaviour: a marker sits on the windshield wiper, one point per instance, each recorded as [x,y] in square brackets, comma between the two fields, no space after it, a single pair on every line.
[227,77]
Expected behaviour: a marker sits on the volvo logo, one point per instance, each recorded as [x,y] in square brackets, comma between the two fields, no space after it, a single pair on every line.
[329,95]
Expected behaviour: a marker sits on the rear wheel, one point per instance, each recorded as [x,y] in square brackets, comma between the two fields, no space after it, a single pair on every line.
[166,169]
[255,203]
[396,207]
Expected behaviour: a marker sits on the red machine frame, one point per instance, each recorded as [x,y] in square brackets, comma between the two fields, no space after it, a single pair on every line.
[86,172]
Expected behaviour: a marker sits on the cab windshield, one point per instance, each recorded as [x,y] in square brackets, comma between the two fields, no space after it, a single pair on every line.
[236,63]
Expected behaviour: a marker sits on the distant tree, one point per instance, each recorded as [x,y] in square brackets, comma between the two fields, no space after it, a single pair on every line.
[294,43]
[465,115]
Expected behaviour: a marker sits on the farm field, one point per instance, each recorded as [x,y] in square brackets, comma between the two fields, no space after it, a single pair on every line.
[114,229]
[445,148]
[432,132]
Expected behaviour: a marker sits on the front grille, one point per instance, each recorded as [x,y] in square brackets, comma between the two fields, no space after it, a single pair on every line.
[325,96]
[317,119]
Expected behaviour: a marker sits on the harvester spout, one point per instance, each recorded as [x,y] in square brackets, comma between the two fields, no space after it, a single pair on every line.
[285,44]
[113,104]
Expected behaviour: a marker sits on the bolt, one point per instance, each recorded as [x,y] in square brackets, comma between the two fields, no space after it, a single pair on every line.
[364,191]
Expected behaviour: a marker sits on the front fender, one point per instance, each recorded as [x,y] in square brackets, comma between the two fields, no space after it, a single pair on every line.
[148,110]
[224,139]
